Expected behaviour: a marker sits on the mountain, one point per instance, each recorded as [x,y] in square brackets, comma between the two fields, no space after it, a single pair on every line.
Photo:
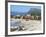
[18,13]
[35,11]
[32,11]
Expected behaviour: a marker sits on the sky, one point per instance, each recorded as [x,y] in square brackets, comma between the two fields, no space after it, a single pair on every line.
[20,8]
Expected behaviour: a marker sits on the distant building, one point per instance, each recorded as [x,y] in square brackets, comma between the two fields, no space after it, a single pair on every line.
[28,15]
[18,16]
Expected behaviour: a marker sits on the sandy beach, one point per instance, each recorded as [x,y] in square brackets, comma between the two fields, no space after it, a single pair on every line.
[30,25]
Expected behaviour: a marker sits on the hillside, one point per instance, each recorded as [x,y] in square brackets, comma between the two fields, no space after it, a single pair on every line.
[32,11]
